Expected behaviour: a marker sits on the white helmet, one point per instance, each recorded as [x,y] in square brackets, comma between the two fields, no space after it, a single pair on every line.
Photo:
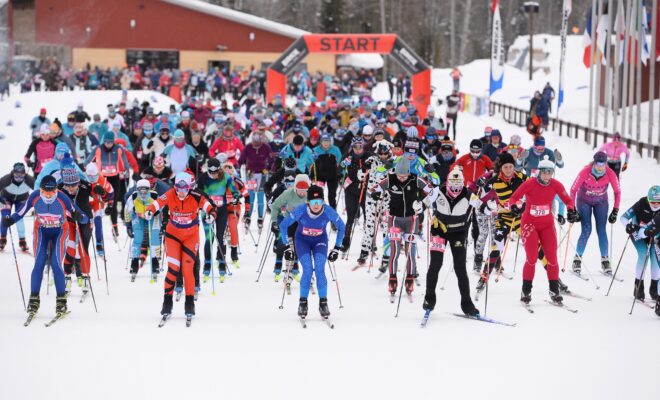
[368,130]
[455,181]
[143,184]
[92,172]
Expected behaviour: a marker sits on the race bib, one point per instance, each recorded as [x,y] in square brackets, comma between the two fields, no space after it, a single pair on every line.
[539,211]
[109,170]
[49,221]
[312,231]
[437,244]
[181,219]
[252,185]
[395,234]
[219,201]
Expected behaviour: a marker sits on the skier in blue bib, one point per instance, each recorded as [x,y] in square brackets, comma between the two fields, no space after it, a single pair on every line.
[311,243]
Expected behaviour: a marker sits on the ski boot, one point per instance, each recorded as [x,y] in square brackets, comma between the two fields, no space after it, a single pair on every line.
[478,261]
[429,302]
[302,307]
[67,283]
[410,284]
[468,308]
[278,274]
[197,289]
[155,266]
[385,262]
[60,305]
[3,242]
[605,265]
[99,250]
[223,273]
[554,292]
[392,284]
[260,224]
[323,307]
[23,245]
[653,290]
[362,259]
[639,287]
[234,253]
[189,306]
[85,284]
[167,305]
[577,265]
[481,284]
[235,264]
[526,293]
[657,307]
[206,272]
[33,304]
[178,290]
[563,288]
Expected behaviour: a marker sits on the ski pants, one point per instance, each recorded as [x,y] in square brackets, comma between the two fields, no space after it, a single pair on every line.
[599,211]
[437,245]
[279,251]
[642,247]
[451,124]
[119,188]
[312,253]
[261,200]
[535,231]
[353,205]
[77,250]
[150,229]
[55,239]
[20,225]
[218,240]
[234,215]
[374,223]
[475,230]
[615,166]
[504,225]
[483,223]
[181,247]
[98,227]
[400,229]
[332,186]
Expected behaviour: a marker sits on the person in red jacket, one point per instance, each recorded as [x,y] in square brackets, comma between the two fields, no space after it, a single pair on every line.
[474,164]
[229,144]
[537,226]
[181,236]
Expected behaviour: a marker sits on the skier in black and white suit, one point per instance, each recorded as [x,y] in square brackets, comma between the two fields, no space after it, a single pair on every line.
[379,165]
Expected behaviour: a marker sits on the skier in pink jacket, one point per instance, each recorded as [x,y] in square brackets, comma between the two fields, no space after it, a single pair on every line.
[590,190]
[613,150]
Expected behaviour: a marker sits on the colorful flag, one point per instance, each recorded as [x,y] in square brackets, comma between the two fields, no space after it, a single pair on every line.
[620,29]
[566,12]
[496,51]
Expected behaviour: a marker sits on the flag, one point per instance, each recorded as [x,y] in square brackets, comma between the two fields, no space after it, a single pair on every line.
[620,29]
[496,51]
[637,25]
[566,12]
[602,44]
[586,41]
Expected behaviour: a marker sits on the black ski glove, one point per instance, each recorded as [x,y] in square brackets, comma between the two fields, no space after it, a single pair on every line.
[515,210]
[108,210]
[78,216]
[573,216]
[613,215]
[150,144]
[7,221]
[561,219]
[430,168]
[275,228]
[651,230]
[375,195]
[129,231]
[631,228]
[334,254]
[99,190]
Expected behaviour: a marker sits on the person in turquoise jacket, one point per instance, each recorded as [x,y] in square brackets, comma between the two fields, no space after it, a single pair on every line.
[302,153]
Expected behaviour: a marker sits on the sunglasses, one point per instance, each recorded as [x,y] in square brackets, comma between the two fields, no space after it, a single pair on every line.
[214,170]
[48,193]
[316,202]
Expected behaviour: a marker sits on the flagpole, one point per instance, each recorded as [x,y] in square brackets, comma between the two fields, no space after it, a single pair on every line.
[626,66]
[638,79]
[652,58]
[565,13]
[631,67]
[599,57]
[591,64]
[608,59]
[617,62]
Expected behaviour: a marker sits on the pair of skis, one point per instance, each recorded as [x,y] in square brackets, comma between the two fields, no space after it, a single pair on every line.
[477,317]
[166,317]
[561,305]
[328,322]
[56,318]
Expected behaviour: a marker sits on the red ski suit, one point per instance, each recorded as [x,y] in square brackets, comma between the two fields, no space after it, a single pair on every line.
[538,224]
[181,236]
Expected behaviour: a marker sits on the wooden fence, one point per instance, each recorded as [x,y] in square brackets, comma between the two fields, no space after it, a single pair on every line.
[518,116]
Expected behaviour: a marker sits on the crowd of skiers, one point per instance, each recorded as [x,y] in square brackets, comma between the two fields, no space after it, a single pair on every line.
[398,175]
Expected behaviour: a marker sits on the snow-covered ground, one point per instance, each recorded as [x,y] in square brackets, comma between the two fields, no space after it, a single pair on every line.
[241,346]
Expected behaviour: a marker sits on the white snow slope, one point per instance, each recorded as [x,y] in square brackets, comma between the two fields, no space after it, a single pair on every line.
[241,346]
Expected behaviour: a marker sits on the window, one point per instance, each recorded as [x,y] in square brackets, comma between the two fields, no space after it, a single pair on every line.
[152,58]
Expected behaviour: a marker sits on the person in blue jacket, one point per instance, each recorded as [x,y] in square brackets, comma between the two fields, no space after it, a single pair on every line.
[311,243]
[303,154]
[54,166]
[51,230]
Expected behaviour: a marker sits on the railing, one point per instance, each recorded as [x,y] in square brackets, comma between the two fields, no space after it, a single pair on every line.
[518,116]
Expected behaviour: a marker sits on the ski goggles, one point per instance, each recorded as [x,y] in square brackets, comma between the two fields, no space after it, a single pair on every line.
[182,188]
[48,194]
[316,202]
[546,171]
[600,164]
[142,190]
[214,169]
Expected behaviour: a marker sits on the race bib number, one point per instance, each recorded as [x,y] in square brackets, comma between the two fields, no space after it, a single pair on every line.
[109,170]
[219,201]
[395,234]
[252,185]
[182,219]
[539,211]
[437,244]
[312,231]
[49,221]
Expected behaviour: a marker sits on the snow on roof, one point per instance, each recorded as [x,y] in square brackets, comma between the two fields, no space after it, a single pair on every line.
[359,60]
[240,17]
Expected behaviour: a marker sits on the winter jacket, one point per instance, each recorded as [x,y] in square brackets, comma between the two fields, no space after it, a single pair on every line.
[43,150]
[326,164]
[112,162]
[180,159]
[36,123]
[592,190]
[614,150]
[531,163]
[305,157]
[493,151]
[285,203]
[12,192]
[255,159]
[473,168]
[230,147]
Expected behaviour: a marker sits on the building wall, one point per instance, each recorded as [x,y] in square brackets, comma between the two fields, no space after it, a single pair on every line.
[158,25]
[199,59]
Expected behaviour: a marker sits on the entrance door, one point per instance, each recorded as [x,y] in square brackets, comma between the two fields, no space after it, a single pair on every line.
[223,65]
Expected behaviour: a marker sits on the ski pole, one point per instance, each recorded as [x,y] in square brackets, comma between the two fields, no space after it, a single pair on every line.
[79,245]
[499,270]
[96,261]
[447,277]
[515,260]
[264,256]
[212,246]
[105,266]
[373,241]
[641,279]
[408,260]
[591,278]
[617,266]
[335,277]
[288,275]
[611,238]
[490,244]
[18,272]
[568,236]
